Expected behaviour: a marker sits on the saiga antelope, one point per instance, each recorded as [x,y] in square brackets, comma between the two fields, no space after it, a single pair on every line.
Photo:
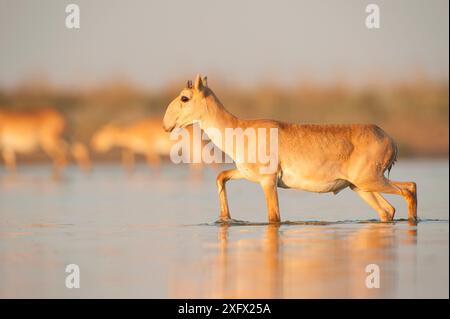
[316,158]
[27,131]
[145,137]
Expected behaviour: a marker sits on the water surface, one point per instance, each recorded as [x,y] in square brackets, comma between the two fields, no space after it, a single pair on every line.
[153,235]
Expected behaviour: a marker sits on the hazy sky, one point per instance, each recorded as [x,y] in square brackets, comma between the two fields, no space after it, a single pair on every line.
[153,42]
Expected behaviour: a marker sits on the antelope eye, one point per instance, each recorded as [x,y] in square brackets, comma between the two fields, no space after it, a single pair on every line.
[184,99]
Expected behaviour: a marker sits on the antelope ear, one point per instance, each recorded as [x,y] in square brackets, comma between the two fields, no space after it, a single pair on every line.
[199,84]
[205,81]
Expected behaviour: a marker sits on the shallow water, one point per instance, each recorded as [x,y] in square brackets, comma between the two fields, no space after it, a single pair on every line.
[154,235]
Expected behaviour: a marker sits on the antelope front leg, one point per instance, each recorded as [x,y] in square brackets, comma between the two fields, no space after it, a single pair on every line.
[10,160]
[153,160]
[222,178]
[128,160]
[269,186]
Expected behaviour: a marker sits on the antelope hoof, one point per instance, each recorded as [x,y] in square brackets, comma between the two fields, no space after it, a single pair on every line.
[387,217]
[224,219]
[412,220]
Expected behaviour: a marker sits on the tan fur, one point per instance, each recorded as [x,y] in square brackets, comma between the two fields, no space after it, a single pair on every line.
[80,152]
[146,137]
[317,158]
[27,131]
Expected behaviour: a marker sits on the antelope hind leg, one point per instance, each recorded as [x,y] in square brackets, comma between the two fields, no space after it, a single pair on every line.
[10,160]
[56,150]
[128,160]
[406,189]
[384,209]
[409,192]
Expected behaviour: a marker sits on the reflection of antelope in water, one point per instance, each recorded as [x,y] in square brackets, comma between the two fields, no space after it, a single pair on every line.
[297,262]
[145,137]
[26,132]
[317,158]
[268,272]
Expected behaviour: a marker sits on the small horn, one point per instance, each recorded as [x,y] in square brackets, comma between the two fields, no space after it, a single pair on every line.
[189,84]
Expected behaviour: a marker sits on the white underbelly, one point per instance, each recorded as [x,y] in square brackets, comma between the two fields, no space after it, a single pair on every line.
[319,184]
[320,187]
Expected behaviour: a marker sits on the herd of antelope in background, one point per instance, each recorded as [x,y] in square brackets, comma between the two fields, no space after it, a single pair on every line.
[46,130]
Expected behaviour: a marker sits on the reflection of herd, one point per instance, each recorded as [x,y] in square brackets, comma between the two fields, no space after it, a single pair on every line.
[45,129]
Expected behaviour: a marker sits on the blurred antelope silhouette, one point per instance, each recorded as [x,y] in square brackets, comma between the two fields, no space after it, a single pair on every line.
[27,131]
[316,158]
[146,137]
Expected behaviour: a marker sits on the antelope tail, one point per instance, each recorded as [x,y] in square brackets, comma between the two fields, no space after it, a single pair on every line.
[393,158]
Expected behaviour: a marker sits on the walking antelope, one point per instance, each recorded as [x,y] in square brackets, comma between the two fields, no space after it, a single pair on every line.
[27,131]
[316,158]
[143,137]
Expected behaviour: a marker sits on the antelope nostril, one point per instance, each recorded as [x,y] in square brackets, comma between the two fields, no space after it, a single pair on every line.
[168,128]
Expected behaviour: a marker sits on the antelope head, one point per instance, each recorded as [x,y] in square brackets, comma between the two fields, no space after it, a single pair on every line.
[188,106]
[104,139]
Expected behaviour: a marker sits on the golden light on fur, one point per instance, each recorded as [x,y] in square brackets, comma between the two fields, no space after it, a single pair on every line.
[316,158]
[28,131]
[146,137]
